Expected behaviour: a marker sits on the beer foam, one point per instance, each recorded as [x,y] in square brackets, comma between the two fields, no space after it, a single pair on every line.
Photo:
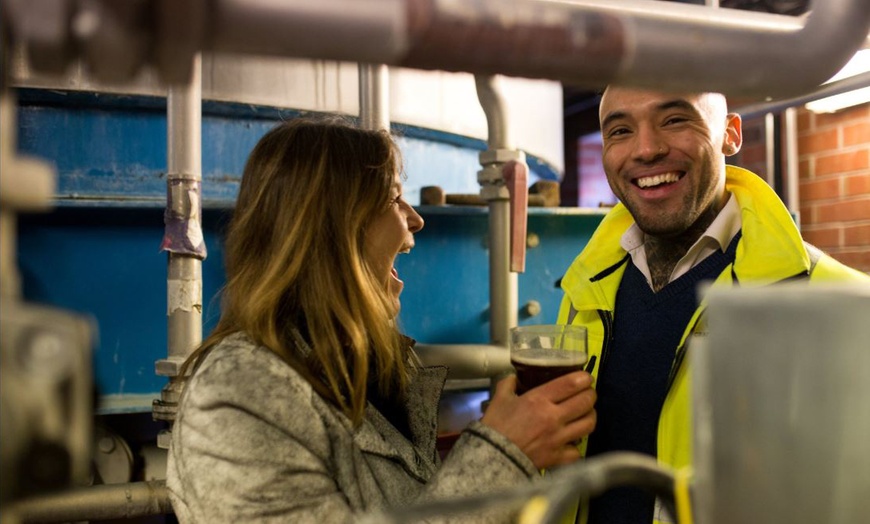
[549,357]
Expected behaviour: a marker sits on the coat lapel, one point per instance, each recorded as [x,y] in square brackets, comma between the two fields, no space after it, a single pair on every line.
[378,436]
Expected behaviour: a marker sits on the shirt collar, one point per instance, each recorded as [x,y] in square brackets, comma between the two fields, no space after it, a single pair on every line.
[723,228]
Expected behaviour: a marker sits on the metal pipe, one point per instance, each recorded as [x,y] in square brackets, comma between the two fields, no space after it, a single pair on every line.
[792,184]
[184,155]
[27,184]
[183,239]
[588,43]
[503,301]
[102,502]
[374,96]
[503,295]
[560,489]
[495,109]
[830,89]
[466,361]
[770,159]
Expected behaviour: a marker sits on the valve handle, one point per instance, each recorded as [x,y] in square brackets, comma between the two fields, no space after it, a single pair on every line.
[516,178]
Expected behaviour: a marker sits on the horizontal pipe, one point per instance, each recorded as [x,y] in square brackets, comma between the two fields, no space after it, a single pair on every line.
[587,43]
[102,502]
[467,361]
[845,85]
[560,489]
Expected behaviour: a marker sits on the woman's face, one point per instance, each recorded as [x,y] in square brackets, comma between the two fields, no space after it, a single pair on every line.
[389,233]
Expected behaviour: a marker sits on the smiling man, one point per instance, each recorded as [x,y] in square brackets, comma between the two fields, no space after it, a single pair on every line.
[684,218]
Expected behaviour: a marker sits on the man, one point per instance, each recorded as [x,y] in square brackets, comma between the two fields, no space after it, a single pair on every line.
[684,218]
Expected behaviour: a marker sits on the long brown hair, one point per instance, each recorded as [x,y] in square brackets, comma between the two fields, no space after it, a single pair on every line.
[294,258]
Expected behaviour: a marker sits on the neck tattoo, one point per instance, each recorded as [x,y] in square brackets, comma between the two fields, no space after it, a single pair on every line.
[663,253]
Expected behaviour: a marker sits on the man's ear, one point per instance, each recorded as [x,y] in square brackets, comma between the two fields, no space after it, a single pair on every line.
[733,134]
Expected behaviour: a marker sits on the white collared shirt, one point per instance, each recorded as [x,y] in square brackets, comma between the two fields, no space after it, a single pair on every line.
[717,236]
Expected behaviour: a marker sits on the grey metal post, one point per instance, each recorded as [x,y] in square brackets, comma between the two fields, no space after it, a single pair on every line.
[183,239]
[503,301]
[792,187]
[374,96]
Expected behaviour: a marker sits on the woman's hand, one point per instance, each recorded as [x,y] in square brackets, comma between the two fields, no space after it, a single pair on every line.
[547,421]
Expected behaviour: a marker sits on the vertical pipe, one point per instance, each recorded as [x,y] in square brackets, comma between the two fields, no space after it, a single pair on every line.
[495,109]
[184,155]
[503,295]
[183,239]
[374,96]
[792,167]
[770,149]
[10,280]
[503,300]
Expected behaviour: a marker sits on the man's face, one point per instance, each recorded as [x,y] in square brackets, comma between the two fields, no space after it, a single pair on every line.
[664,155]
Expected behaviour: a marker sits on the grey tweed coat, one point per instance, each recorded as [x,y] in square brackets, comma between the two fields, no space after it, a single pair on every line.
[253,442]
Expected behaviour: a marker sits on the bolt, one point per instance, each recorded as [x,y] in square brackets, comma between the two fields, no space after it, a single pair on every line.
[532,308]
[106,445]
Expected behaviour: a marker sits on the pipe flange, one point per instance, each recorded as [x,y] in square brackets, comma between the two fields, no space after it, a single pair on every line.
[500,156]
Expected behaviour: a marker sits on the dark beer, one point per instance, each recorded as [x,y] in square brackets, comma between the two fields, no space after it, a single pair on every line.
[534,372]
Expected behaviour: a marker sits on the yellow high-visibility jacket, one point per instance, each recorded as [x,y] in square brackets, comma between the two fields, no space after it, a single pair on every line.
[770,250]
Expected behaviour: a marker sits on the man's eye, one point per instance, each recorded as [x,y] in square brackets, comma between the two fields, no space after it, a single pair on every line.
[617,132]
[675,120]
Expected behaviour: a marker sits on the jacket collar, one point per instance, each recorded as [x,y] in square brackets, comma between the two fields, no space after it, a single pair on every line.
[378,436]
[771,248]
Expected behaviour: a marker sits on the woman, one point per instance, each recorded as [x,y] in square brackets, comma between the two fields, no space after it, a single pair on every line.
[306,403]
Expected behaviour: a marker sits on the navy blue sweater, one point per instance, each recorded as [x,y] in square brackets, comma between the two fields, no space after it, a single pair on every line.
[633,378]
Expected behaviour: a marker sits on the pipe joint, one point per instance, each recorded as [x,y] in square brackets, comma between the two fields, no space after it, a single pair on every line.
[500,156]
[183,233]
[169,367]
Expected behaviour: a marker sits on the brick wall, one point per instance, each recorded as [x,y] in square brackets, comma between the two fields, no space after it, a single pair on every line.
[834,176]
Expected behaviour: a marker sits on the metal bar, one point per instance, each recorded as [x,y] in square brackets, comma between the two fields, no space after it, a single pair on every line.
[792,184]
[467,361]
[833,88]
[374,96]
[588,43]
[770,149]
[184,152]
[495,109]
[503,287]
[108,501]
[560,488]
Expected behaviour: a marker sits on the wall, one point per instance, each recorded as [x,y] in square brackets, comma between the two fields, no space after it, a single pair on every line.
[834,179]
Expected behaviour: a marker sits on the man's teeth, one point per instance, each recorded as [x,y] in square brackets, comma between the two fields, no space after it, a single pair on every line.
[651,181]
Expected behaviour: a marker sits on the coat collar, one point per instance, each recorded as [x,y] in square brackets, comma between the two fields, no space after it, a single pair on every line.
[378,436]
[771,248]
